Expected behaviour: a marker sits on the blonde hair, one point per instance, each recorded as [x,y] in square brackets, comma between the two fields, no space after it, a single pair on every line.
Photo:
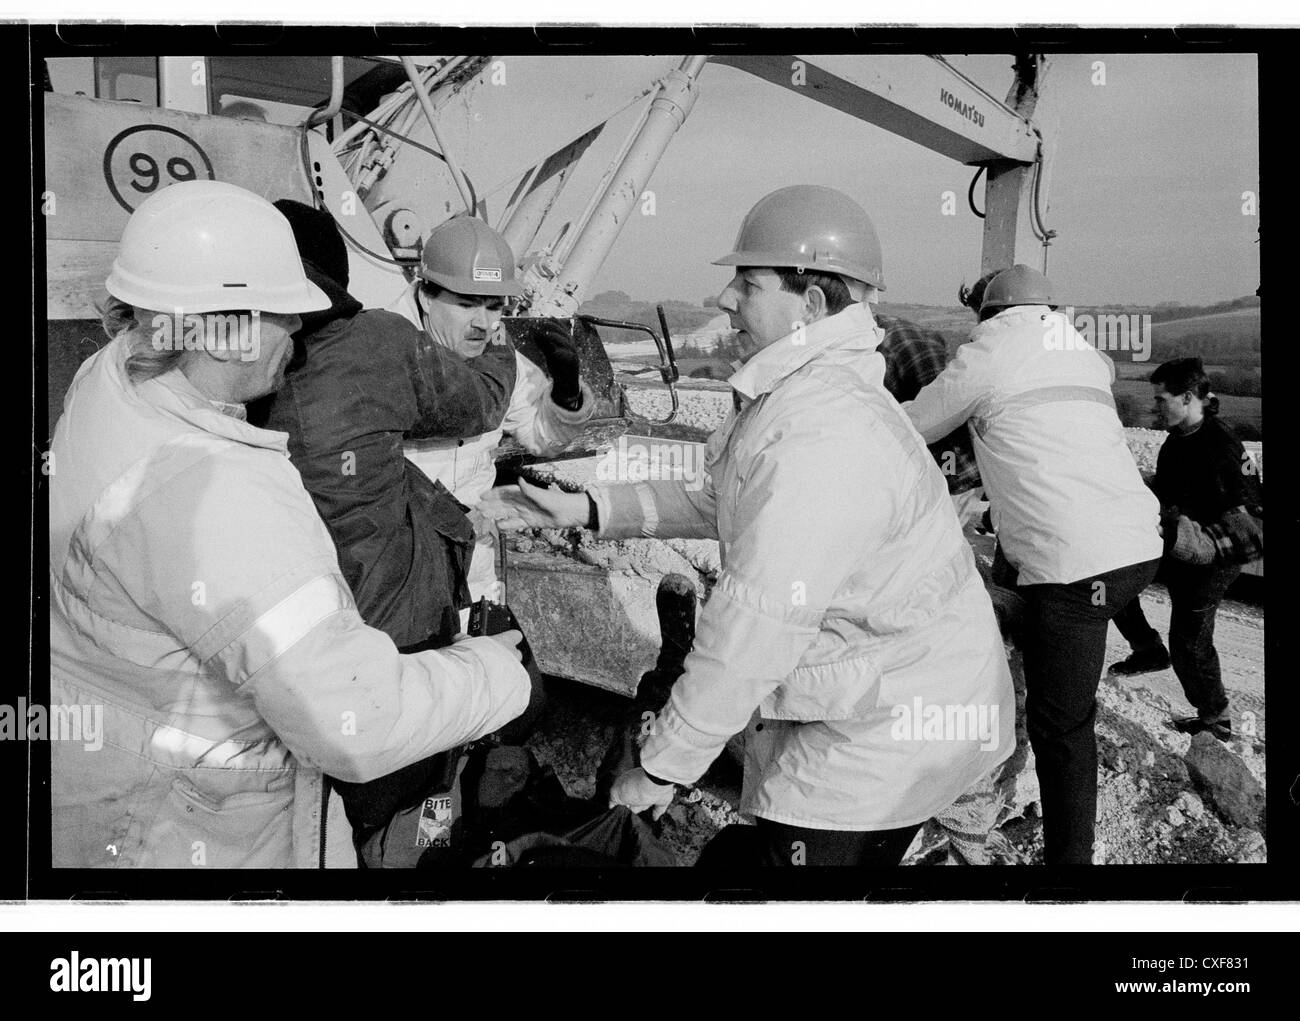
[115,315]
[144,359]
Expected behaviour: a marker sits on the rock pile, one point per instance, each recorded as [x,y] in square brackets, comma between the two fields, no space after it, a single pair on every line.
[1162,797]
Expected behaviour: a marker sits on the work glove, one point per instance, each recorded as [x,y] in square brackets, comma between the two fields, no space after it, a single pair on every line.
[555,338]
[638,792]
[1192,544]
[527,506]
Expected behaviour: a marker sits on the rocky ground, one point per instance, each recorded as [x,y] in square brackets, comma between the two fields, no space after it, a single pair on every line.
[1162,797]
[701,405]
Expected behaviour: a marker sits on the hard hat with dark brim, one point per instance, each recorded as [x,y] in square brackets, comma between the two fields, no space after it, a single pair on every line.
[211,246]
[1019,285]
[467,256]
[809,227]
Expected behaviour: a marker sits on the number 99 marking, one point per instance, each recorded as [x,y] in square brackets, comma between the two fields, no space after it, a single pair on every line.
[156,157]
[144,166]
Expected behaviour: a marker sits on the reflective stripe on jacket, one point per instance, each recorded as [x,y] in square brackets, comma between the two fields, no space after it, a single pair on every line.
[1066,496]
[848,604]
[196,597]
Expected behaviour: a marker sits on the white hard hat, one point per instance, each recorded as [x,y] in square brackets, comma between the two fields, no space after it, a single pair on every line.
[209,246]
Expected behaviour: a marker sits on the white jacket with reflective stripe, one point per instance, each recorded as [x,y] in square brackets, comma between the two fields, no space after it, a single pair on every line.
[467,466]
[1066,497]
[196,596]
[847,594]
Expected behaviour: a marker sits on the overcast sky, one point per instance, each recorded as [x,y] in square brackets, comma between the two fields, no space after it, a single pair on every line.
[1145,193]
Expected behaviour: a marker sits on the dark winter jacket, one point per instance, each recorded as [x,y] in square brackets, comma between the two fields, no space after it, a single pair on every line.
[361,382]
[1206,473]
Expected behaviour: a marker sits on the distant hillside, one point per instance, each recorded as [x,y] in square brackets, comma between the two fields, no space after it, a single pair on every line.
[618,304]
[1240,320]
[932,317]
[1227,336]
[1169,311]
[682,316]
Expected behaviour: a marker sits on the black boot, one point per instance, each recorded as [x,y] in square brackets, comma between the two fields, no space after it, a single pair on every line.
[675,604]
[1222,728]
[1142,661]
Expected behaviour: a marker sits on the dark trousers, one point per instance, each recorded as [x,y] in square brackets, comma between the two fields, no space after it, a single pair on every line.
[1195,593]
[1132,623]
[775,843]
[1064,645]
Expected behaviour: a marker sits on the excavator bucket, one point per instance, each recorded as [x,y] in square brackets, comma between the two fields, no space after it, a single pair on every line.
[612,416]
[610,419]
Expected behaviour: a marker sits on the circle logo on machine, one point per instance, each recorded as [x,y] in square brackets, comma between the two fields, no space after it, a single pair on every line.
[147,158]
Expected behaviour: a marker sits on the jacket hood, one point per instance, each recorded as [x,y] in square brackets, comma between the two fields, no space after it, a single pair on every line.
[342,304]
[325,260]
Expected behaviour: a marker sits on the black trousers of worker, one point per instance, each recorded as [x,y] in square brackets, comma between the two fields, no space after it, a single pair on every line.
[776,843]
[1195,593]
[1064,645]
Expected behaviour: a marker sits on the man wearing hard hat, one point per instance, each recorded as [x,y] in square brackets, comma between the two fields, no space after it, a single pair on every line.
[466,273]
[195,594]
[1072,515]
[362,380]
[849,634]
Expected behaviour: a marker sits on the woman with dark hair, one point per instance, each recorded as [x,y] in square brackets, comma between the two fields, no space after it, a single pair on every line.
[1205,481]
[973,297]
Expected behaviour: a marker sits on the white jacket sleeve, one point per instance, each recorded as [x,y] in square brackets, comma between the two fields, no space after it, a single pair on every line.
[261,602]
[670,509]
[955,395]
[659,510]
[806,516]
[539,424]
[344,700]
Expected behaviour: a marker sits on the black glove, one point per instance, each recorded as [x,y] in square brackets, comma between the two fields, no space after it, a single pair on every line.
[1169,526]
[561,352]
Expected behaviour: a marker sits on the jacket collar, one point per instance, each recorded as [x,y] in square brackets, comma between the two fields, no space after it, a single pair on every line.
[406,307]
[173,395]
[342,304]
[1013,318]
[852,330]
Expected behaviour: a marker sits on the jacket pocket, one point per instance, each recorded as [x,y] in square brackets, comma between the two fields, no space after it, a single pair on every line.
[847,689]
[205,827]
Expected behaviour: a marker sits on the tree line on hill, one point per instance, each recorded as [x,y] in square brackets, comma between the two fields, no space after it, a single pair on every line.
[1233,349]
[682,316]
